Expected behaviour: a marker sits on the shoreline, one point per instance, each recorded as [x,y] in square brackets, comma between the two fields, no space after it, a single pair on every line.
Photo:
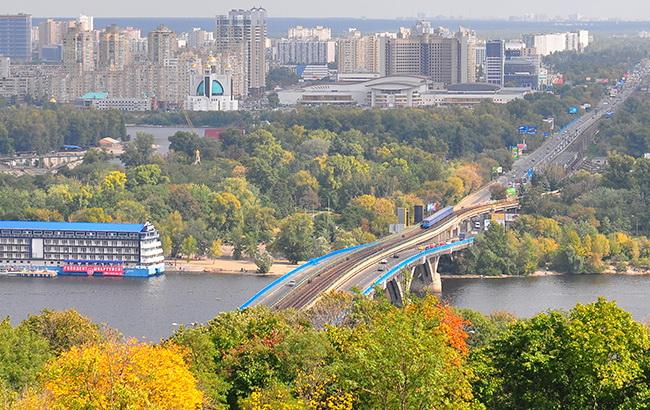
[225,266]
[544,273]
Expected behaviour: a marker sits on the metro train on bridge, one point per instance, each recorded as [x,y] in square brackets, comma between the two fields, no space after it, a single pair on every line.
[430,221]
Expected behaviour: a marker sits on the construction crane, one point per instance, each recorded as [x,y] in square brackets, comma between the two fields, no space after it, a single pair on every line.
[187,119]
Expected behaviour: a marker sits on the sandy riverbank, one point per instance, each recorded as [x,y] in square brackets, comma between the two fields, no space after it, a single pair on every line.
[225,265]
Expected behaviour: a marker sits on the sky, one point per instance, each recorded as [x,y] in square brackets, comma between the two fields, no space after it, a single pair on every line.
[626,9]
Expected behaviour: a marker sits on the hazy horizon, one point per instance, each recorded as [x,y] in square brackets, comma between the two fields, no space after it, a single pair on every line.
[471,9]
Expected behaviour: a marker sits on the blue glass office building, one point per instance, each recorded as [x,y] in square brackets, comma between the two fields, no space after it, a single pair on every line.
[16,36]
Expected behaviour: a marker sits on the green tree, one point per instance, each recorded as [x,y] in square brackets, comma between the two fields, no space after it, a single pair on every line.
[90,215]
[64,329]
[595,356]
[189,247]
[493,253]
[263,261]
[389,362]
[139,151]
[295,238]
[149,174]
[23,354]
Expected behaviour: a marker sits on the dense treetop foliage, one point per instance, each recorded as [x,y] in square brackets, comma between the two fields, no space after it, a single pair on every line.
[347,352]
[41,130]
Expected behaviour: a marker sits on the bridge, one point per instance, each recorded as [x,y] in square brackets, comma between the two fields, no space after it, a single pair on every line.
[357,268]
[417,275]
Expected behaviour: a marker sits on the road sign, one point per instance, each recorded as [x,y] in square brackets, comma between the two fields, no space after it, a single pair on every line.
[530,173]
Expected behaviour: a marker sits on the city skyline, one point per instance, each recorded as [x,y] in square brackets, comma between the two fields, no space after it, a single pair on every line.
[471,9]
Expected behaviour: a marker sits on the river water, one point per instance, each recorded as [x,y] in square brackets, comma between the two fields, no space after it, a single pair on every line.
[151,309]
[161,134]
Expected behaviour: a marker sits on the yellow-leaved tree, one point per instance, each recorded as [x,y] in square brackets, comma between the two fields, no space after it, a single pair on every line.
[116,376]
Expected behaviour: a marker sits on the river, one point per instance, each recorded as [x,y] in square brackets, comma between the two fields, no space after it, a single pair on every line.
[151,309]
[161,134]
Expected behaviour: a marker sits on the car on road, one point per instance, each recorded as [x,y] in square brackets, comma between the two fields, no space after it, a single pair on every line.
[291,283]
[381,268]
[396,256]
[383,261]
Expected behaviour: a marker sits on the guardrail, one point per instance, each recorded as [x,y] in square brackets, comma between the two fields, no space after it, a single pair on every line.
[406,262]
[308,264]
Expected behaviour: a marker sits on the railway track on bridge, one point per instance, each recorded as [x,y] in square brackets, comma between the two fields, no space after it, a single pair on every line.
[308,291]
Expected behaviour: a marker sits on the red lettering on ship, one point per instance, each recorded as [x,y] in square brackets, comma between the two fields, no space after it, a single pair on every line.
[92,269]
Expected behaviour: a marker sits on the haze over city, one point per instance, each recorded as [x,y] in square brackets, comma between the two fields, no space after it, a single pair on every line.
[347,205]
[631,10]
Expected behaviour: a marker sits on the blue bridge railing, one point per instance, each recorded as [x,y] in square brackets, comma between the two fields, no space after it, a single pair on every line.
[308,264]
[408,261]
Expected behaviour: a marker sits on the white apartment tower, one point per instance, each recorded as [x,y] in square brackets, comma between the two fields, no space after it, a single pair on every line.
[248,28]
[86,23]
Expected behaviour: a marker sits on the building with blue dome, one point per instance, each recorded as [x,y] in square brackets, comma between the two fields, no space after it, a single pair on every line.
[212,92]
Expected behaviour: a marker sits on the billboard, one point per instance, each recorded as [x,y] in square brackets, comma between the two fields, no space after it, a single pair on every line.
[418,213]
[401,216]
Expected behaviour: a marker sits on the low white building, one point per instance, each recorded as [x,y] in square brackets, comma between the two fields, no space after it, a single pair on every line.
[384,92]
[399,92]
[101,101]
[469,94]
[212,92]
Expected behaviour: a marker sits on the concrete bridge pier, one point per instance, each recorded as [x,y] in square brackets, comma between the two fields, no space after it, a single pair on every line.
[431,266]
[394,292]
[425,277]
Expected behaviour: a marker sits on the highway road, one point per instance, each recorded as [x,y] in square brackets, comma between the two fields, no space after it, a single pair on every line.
[550,152]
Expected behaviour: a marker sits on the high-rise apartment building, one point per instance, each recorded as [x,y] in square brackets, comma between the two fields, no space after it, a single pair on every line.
[16,36]
[444,60]
[467,42]
[5,64]
[360,54]
[51,32]
[161,45]
[86,23]
[49,42]
[114,48]
[247,27]
[319,33]
[79,50]
[494,61]
[305,51]
[403,56]
[198,38]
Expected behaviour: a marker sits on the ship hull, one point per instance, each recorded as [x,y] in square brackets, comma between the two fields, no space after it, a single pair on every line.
[127,272]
